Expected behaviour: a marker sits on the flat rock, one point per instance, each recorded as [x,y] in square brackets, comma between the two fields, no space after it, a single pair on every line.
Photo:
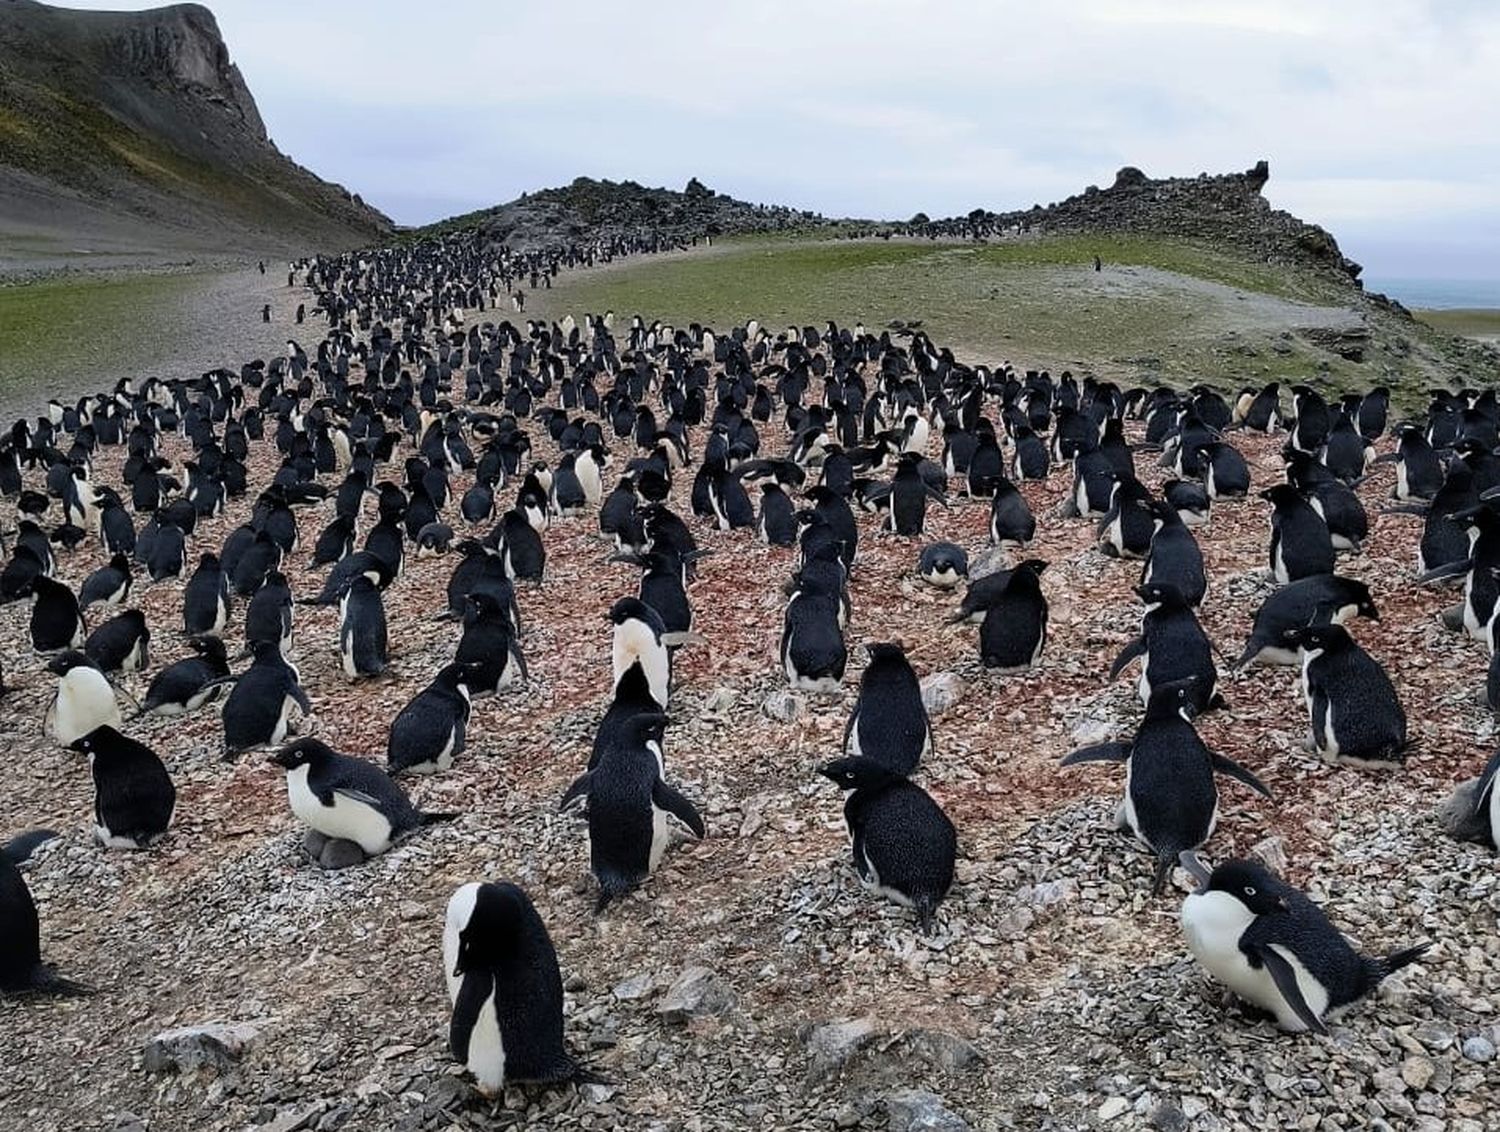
[832,1044]
[941,691]
[697,992]
[944,1050]
[215,1045]
[1271,852]
[915,1110]
[783,705]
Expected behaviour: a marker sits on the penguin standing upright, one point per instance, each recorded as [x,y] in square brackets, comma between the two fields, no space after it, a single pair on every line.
[258,710]
[429,732]
[348,799]
[133,793]
[638,631]
[1011,520]
[363,641]
[85,699]
[21,968]
[56,621]
[121,644]
[489,647]
[777,523]
[629,802]
[889,723]
[909,492]
[904,845]
[1271,945]
[1172,646]
[1171,802]
[1174,557]
[1300,543]
[505,988]
[205,598]
[1354,713]
[813,652]
[1014,630]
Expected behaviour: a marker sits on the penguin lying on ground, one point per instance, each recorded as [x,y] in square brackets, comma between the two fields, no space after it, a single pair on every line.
[121,644]
[942,564]
[56,621]
[108,585]
[505,989]
[1171,801]
[258,709]
[1318,600]
[1271,945]
[348,799]
[904,845]
[429,732]
[188,684]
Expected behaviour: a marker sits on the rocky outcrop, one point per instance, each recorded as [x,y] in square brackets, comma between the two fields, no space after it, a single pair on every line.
[139,124]
[1225,209]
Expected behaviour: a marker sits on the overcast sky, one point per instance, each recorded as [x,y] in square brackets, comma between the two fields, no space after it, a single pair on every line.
[1379,120]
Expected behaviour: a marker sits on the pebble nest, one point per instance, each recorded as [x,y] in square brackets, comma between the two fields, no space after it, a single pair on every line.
[1055,992]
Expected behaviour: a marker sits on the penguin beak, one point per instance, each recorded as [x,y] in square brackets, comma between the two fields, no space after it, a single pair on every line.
[1196,868]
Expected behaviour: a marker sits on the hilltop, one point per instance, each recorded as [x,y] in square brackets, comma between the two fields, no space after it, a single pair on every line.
[132,133]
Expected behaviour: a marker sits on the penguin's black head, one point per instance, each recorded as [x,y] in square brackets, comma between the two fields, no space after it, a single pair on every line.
[207,645]
[857,773]
[65,662]
[1364,603]
[302,752]
[1281,495]
[634,609]
[100,740]
[886,651]
[493,927]
[1179,698]
[1251,884]
[1317,638]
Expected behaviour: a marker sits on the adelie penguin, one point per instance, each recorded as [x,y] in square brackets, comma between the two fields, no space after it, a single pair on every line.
[108,585]
[1272,946]
[1011,520]
[505,989]
[1478,808]
[85,699]
[56,621]
[638,631]
[22,971]
[813,652]
[187,685]
[1319,600]
[904,845]
[258,709]
[1171,802]
[1014,630]
[629,804]
[121,644]
[1174,557]
[1172,647]
[430,731]
[348,799]
[133,793]
[1354,713]
[889,723]
[942,564]
[1300,543]
[205,598]
[363,645]
[489,647]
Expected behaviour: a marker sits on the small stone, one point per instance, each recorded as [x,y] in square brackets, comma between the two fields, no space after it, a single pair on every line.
[216,1046]
[915,1110]
[637,986]
[783,705]
[410,910]
[293,1119]
[1479,1049]
[598,1094]
[944,1050]
[1416,1072]
[1272,853]
[1168,1117]
[697,992]
[834,1043]
[1113,1109]
[719,701]
[941,691]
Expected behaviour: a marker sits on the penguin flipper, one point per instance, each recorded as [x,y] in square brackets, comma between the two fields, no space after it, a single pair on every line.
[1285,979]
[19,848]
[300,696]
[354,795]
[1098,753]
[472,994]
[667,798]
[1134,649]
[579,789]
[1235,771]
[1445,571]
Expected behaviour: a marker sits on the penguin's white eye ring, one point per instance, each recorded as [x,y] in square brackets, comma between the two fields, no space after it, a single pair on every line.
[1249,890]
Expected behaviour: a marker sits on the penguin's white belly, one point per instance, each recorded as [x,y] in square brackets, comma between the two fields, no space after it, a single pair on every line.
[85,701]
[633,641]
[661,837]
[1403,490]
[1274,654]
[946,578]
[1328,741]
[1126,817]
[854,749]
[346,819]
[1115,538]
[1208,482]
[110,841]
[1143,685]
[1279,567]
[1214,923]
[1495,813]
[1343,613]
[460,908]
[487,1051]
[871,880]
[283,721]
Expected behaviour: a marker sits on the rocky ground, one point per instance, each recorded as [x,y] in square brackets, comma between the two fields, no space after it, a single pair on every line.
[753,983]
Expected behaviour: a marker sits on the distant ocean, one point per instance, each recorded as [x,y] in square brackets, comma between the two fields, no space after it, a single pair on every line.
[1439,294]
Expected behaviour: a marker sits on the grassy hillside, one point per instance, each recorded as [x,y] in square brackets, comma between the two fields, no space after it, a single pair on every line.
[1470,323]
[1159,308]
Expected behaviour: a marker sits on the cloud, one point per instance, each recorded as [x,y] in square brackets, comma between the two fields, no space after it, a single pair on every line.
[1376,117]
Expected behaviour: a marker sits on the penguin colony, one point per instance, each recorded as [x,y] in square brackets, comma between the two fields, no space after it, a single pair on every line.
[410,433]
